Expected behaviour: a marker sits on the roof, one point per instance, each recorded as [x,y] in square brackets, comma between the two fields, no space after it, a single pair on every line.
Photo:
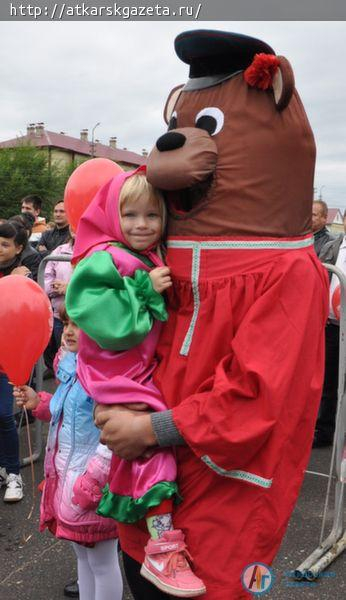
[72,144]
[334,215]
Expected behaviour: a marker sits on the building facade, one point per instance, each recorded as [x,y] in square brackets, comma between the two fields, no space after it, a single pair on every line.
[64,150]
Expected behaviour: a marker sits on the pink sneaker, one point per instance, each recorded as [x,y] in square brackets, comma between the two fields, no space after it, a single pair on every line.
[165,565]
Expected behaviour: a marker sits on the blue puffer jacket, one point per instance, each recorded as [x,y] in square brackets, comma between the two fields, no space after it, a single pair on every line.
[72,442]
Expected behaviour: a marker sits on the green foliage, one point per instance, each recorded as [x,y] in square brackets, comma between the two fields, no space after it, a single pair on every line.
[25,170]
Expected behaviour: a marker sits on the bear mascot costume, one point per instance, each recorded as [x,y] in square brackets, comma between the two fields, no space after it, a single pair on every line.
[241,356]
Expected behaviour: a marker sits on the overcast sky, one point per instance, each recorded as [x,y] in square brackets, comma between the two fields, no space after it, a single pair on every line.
[71,75]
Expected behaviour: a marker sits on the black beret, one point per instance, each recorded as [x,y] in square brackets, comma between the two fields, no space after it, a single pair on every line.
[214,56]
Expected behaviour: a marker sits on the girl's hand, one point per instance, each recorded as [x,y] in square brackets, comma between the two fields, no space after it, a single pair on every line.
[26,396]
[59,287]
[87,492]
[160,279]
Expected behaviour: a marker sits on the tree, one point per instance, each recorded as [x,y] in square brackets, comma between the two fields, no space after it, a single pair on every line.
[25,170]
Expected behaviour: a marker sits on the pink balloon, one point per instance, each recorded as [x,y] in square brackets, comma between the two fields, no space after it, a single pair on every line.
[84,184]
[26,323]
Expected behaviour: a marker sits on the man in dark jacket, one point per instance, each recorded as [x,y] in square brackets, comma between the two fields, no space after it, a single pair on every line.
[319,221]
[332,253]
[52,238]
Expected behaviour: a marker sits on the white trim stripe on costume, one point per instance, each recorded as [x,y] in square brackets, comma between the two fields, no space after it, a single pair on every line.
[184,350]
[196,248]
[242,244]
[235,474]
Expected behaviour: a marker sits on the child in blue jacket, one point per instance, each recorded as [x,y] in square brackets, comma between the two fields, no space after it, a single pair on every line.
[76,468]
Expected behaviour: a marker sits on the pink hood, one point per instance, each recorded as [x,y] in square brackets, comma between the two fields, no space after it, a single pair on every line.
[100,223]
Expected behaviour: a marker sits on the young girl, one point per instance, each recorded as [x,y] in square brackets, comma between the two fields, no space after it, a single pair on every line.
[73,448]
[13,239]
[115,297]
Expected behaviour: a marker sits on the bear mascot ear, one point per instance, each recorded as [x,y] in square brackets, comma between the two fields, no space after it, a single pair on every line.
[283,84]
[171,102]
[270,71]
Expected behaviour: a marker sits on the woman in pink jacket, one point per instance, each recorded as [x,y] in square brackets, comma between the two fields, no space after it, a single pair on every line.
[76,468]
[57,274]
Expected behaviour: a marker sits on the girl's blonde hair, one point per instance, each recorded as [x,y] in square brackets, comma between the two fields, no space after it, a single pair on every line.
[136,187]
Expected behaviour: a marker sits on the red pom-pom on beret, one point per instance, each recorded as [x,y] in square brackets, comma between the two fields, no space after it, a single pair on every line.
[262,70]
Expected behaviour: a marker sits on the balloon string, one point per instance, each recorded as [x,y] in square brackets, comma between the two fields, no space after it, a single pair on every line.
[27,538]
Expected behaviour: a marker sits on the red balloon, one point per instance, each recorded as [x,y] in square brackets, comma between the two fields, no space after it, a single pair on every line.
[84,184]
[26,323]
[336,301]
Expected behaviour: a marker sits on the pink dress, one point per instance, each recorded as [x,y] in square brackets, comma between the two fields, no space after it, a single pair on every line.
[111,298]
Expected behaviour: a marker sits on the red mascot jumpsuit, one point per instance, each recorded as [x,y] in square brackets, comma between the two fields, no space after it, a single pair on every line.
[241,357]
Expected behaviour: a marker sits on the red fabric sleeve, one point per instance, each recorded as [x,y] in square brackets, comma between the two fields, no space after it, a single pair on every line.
[42,411]
[272,374]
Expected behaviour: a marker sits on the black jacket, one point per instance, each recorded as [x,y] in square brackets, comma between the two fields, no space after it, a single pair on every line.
[16,262]
[31,259]
[330,251]
[322,237]
[7,270]
[53,238]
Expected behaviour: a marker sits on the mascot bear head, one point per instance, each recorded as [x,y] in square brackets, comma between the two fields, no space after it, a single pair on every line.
[238,157]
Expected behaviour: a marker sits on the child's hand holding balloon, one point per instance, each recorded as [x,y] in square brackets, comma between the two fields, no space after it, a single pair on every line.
[26,396]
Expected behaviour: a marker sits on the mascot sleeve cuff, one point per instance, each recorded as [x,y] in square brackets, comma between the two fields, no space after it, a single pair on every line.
[165,430]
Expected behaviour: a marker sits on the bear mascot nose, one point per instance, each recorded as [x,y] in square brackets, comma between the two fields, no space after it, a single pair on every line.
[170,141]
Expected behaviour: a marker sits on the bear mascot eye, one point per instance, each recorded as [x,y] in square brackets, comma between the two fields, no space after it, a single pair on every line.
[172,121]
[211,119]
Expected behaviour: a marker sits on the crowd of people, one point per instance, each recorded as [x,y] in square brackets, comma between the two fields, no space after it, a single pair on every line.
[25,238]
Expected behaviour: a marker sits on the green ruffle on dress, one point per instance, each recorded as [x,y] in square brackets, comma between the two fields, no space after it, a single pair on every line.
[116,312]
[126,509]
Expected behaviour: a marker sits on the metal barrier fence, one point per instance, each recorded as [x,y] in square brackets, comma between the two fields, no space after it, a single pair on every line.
[335,543]
[40,366]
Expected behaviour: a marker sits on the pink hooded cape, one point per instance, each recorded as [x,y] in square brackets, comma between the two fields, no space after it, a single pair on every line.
[108,376]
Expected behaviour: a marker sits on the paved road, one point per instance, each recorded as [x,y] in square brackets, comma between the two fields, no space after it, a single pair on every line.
[38,568]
